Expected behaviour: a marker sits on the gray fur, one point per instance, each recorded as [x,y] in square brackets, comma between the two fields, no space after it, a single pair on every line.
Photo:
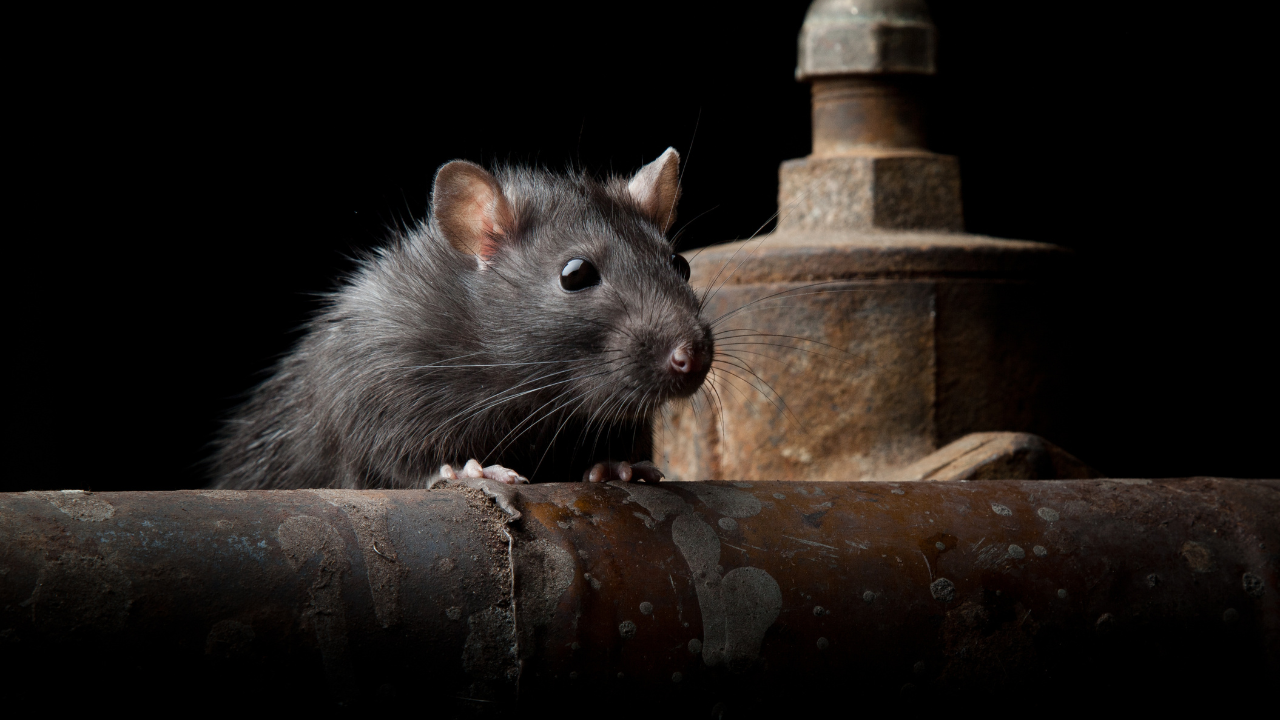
[375,395]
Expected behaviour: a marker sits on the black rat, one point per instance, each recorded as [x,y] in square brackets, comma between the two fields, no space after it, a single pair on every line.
[535,321]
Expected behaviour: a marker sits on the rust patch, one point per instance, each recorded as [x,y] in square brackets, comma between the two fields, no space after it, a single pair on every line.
[1198,556]
[489,520]
[223,494]
[79,504]
[302,538]
[545,572]
[490,653]
[505,497]
[368,515]
[81,592]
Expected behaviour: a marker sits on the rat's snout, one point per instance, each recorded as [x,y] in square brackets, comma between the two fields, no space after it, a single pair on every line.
[683,360]
[688,364]
[667,358]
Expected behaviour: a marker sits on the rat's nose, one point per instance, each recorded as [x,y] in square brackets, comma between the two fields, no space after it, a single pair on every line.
[684,360]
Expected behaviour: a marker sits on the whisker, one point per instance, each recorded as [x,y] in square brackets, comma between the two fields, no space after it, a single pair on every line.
[504,442]
[607,411]
[501,445]
[676,238]
[601,407]
[783,407]
[788,292]
[803,339]
[745,397]
[552,442]
[784,363]
[803,350]
[707,297]
[712,289]
[501,401]
[719,411]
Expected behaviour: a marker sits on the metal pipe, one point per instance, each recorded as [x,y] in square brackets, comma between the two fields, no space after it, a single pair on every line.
[858,112]
[688,597]
[868,63]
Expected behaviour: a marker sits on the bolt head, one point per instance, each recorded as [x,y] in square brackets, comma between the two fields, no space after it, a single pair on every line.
[851,37]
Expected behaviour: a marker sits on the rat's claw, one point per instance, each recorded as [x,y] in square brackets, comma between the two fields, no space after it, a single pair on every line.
[494,472]
[646,471]
[504,475]
[446,472]
[622,471]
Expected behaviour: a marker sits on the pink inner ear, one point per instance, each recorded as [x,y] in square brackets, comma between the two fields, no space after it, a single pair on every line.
[483,218]
[471,210]
[480,221]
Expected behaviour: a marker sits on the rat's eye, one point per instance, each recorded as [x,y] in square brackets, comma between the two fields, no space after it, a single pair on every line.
[681,265]
[579,274]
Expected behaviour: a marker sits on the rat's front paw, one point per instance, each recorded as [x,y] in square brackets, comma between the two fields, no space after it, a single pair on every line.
[494,472]
[624,471]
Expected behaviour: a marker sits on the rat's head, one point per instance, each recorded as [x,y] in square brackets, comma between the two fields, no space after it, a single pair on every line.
[576,288]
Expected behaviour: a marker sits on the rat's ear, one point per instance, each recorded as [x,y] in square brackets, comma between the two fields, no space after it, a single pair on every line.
[469,208]
[656,188]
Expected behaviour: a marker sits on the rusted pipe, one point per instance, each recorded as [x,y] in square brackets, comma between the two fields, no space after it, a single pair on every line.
[853,113]
[683,597]
[866,61]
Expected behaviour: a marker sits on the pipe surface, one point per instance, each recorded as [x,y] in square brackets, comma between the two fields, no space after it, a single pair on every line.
[690,598]
[854,113]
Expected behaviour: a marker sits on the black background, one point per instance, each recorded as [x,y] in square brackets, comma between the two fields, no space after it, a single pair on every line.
[186,184]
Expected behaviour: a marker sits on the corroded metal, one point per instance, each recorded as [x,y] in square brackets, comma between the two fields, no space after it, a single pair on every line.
[869,169]
[847,357]
[682,597]
[842,37]
[997,456]
[869,330]
[851,113]
[298,595]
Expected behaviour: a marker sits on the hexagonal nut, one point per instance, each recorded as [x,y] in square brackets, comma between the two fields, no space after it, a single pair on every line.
[903,191]
[845,37]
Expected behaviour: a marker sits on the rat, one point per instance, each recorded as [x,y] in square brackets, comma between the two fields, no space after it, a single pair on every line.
[528,330]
